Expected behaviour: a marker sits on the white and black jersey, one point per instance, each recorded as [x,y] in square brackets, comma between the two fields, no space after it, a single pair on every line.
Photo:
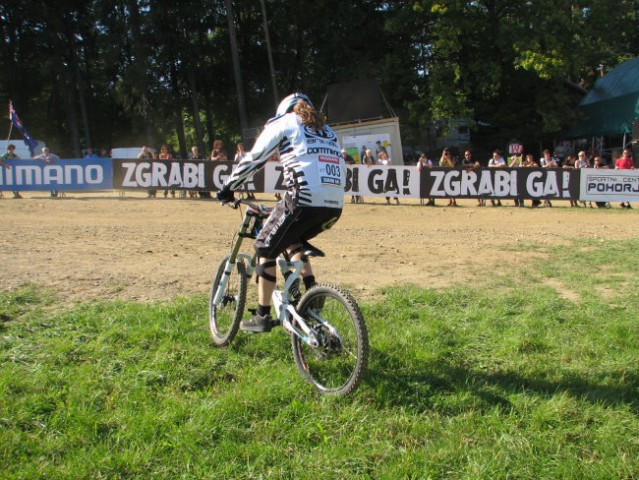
[314,170]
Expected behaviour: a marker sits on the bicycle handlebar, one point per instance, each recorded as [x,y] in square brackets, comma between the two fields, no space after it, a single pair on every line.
[235,204]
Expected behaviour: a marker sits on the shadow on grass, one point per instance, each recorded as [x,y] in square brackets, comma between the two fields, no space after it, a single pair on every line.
[446,387]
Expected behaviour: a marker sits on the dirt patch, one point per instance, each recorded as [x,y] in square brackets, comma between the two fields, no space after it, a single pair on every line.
[99,245]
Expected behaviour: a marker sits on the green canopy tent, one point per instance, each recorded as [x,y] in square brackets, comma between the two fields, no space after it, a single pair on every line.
[612,105]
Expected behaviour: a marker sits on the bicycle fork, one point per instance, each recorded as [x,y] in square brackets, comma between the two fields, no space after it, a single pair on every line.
[232,260]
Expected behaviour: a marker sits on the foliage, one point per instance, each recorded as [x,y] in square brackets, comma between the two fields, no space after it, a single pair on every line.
[131,72]
[495,381]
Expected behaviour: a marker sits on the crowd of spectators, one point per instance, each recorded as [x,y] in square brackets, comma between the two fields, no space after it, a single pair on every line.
[369,158]
[547,160]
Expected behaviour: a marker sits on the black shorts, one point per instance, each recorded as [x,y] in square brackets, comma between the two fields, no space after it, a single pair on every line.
[290,224]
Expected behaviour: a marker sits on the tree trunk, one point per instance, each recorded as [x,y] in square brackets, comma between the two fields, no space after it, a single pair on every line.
[199,133]
[72,120]
[237,72]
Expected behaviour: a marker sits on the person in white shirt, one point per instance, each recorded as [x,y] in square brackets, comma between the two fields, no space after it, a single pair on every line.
[497,161]
[48,156]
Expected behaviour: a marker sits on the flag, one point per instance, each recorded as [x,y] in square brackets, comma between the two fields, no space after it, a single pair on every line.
[15,120]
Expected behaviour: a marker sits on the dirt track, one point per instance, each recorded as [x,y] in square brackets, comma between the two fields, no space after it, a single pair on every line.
[99,245]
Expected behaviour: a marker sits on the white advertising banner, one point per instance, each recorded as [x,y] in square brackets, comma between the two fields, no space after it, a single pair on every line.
[602,185]
[370,181]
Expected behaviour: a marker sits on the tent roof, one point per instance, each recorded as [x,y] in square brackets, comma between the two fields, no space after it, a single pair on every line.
[612,104]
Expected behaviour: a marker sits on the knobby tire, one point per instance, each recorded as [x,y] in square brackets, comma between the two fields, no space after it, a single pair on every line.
[338,366]
[224,319]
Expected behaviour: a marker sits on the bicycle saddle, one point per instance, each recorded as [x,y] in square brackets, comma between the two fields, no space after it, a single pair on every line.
[311,251]
[259,211]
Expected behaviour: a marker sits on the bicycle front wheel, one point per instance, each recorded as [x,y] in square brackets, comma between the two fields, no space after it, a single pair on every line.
[337,365]
[225,317]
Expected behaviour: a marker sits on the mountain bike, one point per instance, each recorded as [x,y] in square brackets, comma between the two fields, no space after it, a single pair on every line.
[327,329]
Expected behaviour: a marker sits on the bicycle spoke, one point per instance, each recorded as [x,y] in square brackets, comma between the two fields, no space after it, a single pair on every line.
[338,363]
[225,317]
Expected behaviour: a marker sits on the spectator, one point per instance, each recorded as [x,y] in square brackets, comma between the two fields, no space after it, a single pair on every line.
[349,160]
[239,152]
[382,159]
[446,160]
[10,155]
[362,154]
[147,154]
[517,161]
[530,162]
[580,162]
[90,155]
[48,156]
[380,148]
[569,164]
[548,161]
[195,155]
[218,153]
[497,161]
[165,154]
[469,164]
[598,163]
[368,158]
[424,162]
[625,162]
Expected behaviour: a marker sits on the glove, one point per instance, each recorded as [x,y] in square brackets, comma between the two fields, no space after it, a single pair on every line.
[225,195]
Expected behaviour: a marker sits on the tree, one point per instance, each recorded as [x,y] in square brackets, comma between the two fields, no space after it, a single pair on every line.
[130,72]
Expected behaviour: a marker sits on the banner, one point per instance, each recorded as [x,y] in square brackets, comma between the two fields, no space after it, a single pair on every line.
[200,175]
[360,180]
[369,181]
[526,183]
[64,175]
[602,185]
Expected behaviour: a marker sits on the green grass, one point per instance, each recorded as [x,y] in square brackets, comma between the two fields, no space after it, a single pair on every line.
[532,375]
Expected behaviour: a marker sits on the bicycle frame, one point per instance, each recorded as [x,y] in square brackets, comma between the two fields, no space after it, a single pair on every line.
[286,310]
[281,298]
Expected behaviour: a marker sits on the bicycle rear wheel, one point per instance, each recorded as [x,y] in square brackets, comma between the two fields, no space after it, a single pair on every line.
[338,364]
[225,318]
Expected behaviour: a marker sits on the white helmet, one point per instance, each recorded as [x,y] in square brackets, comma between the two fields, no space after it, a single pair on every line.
[289,102]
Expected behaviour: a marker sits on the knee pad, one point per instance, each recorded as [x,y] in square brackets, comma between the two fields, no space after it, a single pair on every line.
[299,248]
[260,270]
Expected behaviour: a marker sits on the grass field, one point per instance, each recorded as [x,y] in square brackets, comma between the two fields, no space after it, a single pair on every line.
[529,375]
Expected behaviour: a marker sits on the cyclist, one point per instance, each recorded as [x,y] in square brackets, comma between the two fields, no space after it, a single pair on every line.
[314,176]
